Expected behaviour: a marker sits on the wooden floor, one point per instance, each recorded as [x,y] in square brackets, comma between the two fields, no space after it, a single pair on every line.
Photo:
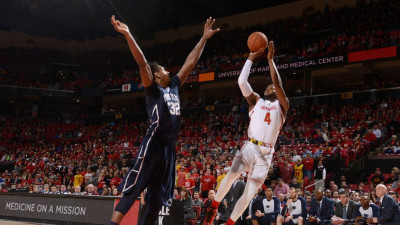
[10,222]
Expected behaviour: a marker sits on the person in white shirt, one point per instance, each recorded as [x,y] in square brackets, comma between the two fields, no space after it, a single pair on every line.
[296,157]
[377,132]
[295,210]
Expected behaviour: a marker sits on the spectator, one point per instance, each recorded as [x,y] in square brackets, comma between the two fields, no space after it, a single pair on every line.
[115,192]
[91,191]
[294,183]
[46,189]
[378,178]
[196,200]
[366,211]
[189,182]
[299,171]
[308,163]
[181,178]
[295,210]
[207,183]
[267,212]
[345,210]
[77,191]
[207,204]
[321,210]
[392,178]
[63,190]
[281,188]
[220,177]
[105,191]
[390,211]
[295,157]
[235,192]
[53,190]
[188,213]
[78,179]
[286,172]
[320,176]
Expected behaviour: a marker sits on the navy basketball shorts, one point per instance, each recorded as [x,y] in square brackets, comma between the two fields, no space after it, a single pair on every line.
[153,168]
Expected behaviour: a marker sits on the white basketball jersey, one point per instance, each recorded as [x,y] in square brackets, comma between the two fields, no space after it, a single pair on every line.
[269,206]
[266,120]
[366,213]
[295,208]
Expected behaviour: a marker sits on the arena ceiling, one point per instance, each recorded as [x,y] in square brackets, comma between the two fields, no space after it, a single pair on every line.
[89,19]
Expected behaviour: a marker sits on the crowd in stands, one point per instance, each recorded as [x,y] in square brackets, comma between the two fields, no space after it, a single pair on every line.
[69,156]
[277,204]
[315,34]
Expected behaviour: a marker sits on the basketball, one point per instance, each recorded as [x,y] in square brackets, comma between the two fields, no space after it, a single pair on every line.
[256,41]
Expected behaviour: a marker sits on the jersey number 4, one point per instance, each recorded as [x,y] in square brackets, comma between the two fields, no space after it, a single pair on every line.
[268,118]
[174,108]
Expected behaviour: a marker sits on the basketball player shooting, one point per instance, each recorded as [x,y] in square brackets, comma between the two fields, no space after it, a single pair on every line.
[154,165]
[267,115]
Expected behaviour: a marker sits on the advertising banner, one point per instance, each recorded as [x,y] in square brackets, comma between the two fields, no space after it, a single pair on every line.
[324,61]
[91,210]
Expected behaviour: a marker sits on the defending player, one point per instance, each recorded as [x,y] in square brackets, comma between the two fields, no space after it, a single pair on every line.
[154,165]
[267,116]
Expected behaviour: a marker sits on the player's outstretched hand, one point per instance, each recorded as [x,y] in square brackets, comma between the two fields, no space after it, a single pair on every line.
[255,55]
[208,30]
[271,50]
[119,26]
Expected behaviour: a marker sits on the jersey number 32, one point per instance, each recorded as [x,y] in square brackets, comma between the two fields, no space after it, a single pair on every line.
[174,108]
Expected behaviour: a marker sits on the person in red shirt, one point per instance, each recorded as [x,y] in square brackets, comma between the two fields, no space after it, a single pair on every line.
[286,172]
[189,183]
[370,136]
[207,183]
[308,163]
[181,178]
[116,180]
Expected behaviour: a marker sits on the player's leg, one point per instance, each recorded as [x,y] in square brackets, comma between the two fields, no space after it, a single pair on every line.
[300,220]
[151,214]
[272,220]
[160,189]
[250,190]
[239,165]
[123,207]
[280,220]
[254,182]
[136,181]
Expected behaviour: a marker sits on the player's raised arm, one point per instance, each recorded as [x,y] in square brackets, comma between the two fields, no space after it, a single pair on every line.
[145,71]
[247,91]
[194,56]
[276,79]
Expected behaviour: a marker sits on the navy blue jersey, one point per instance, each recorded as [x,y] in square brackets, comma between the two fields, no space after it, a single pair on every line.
[164,111]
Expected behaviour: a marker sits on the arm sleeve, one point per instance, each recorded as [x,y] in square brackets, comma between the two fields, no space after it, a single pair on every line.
[303,208]
[175,81]
[277,206]
[152,90]
[324,174]
[244,75]
[375,211]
